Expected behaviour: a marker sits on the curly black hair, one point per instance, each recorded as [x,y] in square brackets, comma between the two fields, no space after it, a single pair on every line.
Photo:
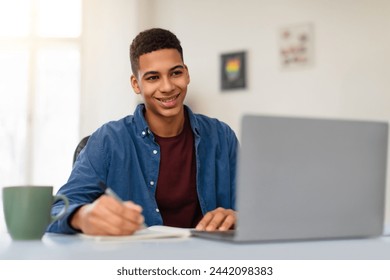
[152,40]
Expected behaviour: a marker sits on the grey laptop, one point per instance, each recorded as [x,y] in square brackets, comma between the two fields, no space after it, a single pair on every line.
[307,178]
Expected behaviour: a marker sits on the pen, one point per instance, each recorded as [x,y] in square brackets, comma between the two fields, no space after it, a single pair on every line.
[108,191]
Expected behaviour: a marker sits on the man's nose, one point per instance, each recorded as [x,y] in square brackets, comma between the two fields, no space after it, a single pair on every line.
[166,85]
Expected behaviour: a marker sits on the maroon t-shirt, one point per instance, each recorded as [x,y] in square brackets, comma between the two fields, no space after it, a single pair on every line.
[176,194]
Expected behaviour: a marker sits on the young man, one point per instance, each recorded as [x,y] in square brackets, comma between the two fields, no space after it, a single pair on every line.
[169,165]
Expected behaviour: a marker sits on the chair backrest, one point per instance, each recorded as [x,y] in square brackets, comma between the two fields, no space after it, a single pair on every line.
[79,147]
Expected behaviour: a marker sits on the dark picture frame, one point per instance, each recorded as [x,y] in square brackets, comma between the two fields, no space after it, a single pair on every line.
[233,71]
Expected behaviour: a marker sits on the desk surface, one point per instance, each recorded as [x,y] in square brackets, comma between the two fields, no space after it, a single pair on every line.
[73,247]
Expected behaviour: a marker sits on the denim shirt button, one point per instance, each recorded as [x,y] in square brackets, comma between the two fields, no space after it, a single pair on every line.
[155,152]
[152,183]
[157,210]
[143,133]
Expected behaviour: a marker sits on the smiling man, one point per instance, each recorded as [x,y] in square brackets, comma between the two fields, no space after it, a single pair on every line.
[170,165]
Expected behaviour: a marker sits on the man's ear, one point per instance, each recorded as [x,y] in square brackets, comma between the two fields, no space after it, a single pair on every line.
[134,84]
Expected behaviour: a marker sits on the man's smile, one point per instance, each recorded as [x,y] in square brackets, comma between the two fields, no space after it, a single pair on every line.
[168,99]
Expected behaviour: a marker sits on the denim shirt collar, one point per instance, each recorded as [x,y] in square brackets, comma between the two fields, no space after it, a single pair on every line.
[143,127]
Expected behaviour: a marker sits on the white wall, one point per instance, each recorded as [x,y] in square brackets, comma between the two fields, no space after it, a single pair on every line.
[348,79]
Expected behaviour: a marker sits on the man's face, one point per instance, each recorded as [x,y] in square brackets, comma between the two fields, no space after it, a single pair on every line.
[162,81]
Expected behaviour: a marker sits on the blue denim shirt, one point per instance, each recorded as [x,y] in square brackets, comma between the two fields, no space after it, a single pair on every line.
[125,155]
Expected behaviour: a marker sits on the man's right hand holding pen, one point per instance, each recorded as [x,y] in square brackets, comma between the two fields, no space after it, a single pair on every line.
[107,215]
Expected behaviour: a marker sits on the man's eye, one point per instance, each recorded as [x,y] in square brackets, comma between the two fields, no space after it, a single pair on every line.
[176,73]
[152,78]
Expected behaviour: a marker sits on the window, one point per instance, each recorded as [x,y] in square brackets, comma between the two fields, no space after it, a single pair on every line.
[40,43]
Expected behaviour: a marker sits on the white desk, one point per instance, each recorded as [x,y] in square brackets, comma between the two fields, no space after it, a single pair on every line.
[72,247]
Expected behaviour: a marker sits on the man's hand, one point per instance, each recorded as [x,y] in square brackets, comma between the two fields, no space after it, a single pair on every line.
[107,216]
[218,219]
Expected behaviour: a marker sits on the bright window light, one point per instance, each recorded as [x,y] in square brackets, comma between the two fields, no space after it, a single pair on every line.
[57,114]
[59,18]
[13,116]
[40,42]
[15,18]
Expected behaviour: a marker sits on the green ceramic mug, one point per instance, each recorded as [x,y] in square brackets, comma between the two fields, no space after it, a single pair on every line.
[27,210]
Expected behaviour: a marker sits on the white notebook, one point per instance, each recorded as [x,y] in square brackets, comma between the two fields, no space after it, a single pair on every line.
[153,232]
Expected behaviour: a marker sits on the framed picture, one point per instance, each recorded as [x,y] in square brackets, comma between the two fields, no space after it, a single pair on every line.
[296,46]
[233,71]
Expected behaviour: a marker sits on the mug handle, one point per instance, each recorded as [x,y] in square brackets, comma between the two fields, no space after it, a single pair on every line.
[63,211]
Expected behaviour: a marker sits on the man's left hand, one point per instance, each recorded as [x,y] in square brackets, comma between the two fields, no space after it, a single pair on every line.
[218,219]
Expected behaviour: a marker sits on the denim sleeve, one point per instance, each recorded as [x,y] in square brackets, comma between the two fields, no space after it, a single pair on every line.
[63,224]
[233,154]
[233,150]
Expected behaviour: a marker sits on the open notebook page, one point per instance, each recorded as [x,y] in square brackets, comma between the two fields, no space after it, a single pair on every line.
[152,232]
